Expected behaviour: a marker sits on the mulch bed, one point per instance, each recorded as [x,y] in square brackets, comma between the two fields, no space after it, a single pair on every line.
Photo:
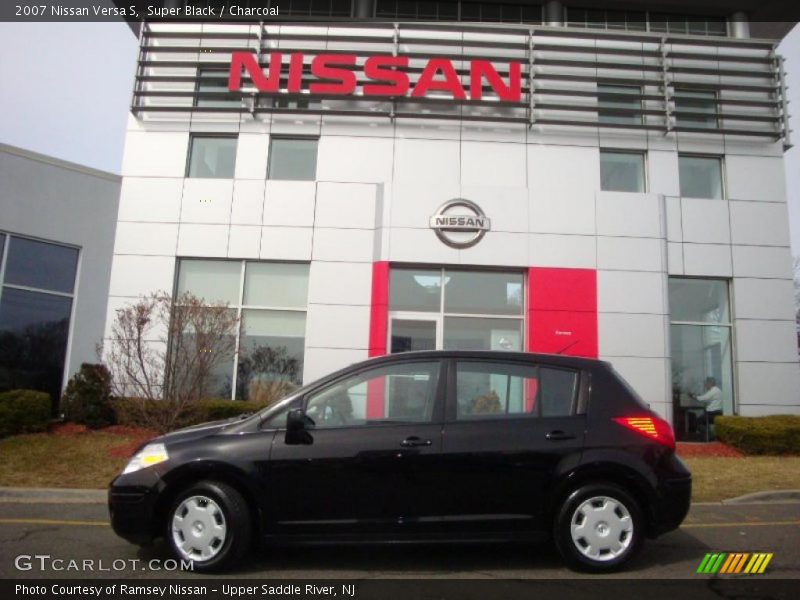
[706,450]
[139,436]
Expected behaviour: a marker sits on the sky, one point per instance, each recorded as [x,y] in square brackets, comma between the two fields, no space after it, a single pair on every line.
[66,90]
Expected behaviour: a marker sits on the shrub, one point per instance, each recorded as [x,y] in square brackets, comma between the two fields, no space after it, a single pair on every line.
[129,411]
[777,434]
[24,411]
[87,399]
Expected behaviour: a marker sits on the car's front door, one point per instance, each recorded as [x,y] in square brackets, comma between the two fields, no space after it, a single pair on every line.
[372,460]
[509,426]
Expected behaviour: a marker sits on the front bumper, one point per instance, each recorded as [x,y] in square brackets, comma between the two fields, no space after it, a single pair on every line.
[132,509]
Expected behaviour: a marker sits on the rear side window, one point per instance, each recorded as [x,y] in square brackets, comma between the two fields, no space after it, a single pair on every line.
[489,390]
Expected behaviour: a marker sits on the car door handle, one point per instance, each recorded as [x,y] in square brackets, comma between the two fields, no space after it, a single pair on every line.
[414,442]
[557,435]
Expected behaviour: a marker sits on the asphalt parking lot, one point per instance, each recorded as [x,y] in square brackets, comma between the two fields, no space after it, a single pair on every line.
[80,532]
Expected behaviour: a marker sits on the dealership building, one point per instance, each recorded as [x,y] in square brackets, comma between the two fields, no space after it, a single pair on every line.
[474,175]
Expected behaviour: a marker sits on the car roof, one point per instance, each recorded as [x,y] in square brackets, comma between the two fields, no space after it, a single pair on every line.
[553,359]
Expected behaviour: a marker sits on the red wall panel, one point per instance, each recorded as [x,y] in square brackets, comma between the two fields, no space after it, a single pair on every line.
[562,311]
[379,313]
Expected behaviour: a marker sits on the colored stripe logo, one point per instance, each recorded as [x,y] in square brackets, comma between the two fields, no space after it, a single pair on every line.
[733,563]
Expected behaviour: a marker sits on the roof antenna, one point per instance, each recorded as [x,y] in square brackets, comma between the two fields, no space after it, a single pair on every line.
[567,347]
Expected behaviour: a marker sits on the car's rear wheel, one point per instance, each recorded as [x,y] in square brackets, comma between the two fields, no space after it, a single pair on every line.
[209,524]
[599,527]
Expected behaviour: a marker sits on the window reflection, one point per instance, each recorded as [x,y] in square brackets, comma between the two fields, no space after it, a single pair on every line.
[41,265]
[33,340]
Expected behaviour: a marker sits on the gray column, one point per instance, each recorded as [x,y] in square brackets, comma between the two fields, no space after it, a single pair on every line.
[554,13]
[363,9]
[740,25]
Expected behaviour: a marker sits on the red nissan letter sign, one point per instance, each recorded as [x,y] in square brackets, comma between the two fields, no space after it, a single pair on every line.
[479,69]
[379,68]
[249,62]
[450,84]
[345,79]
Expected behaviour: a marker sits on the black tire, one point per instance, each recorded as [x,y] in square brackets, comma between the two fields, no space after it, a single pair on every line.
[235,516]
[571,550]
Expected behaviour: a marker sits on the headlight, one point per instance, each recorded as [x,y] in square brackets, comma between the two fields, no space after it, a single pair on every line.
[150,455]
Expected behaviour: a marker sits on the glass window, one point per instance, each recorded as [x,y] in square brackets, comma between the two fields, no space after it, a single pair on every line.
[282,285]
[487,295]
[619,97]
[389,394]
[268,362]
[701,351]
[34,328]
[411,335]
[41,265]
[696,101]
[270,354]
[415,290]
[473,292]
[293,159]
[216,82]
[700,176]
[212,157]
[214,281]
[559,389]
[622,171]
[498,390]
[467,333]
[699,300]
[2,247]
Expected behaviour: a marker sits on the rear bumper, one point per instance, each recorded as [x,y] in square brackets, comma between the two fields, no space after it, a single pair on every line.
[672,506]
[132,510]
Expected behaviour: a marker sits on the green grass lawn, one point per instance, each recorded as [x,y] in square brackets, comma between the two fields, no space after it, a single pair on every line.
[722,478]
[61,461]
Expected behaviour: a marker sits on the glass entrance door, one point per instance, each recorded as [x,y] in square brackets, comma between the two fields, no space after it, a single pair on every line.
[409,333]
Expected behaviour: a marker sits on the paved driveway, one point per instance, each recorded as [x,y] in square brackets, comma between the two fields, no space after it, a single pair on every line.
[80,532]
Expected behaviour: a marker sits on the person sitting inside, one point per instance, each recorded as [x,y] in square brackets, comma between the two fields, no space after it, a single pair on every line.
[712,398]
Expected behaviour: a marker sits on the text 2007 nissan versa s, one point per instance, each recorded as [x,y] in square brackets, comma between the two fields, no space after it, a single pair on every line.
[419,446]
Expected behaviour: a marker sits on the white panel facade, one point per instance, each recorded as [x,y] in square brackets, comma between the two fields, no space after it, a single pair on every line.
[378,181]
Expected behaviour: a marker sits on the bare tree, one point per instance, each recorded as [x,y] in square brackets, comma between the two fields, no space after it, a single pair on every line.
[163,354]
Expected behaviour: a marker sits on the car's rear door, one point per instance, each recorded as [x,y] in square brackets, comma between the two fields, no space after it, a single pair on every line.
[509,427]
[373,460]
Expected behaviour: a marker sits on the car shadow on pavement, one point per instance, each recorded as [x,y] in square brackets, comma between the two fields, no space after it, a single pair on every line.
[437,560]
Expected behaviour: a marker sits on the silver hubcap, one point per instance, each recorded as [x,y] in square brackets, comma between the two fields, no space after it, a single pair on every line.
[601,528]
[198,528]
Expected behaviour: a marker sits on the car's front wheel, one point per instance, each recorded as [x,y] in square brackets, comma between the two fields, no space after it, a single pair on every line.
[209,524]
[599,527]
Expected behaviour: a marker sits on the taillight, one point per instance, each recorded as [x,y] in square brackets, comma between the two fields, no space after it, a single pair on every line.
[651,427]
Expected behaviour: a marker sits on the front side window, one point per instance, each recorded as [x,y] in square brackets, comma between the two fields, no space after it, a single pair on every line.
[696,108]
[400,393]
[507,390]
[622,171]
[618,104]
[212,157]
[293,159]
[700,176]
[270,300]
[36,297]
[701,350]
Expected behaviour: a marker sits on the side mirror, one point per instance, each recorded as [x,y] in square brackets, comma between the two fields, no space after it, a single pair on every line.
[298,424]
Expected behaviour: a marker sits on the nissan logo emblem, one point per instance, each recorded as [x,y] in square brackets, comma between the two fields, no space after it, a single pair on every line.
[460,223]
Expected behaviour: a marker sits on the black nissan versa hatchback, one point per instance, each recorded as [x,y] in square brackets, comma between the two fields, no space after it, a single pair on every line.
[419,446]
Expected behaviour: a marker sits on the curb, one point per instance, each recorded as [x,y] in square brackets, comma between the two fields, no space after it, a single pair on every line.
[53,495]
[766,497]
